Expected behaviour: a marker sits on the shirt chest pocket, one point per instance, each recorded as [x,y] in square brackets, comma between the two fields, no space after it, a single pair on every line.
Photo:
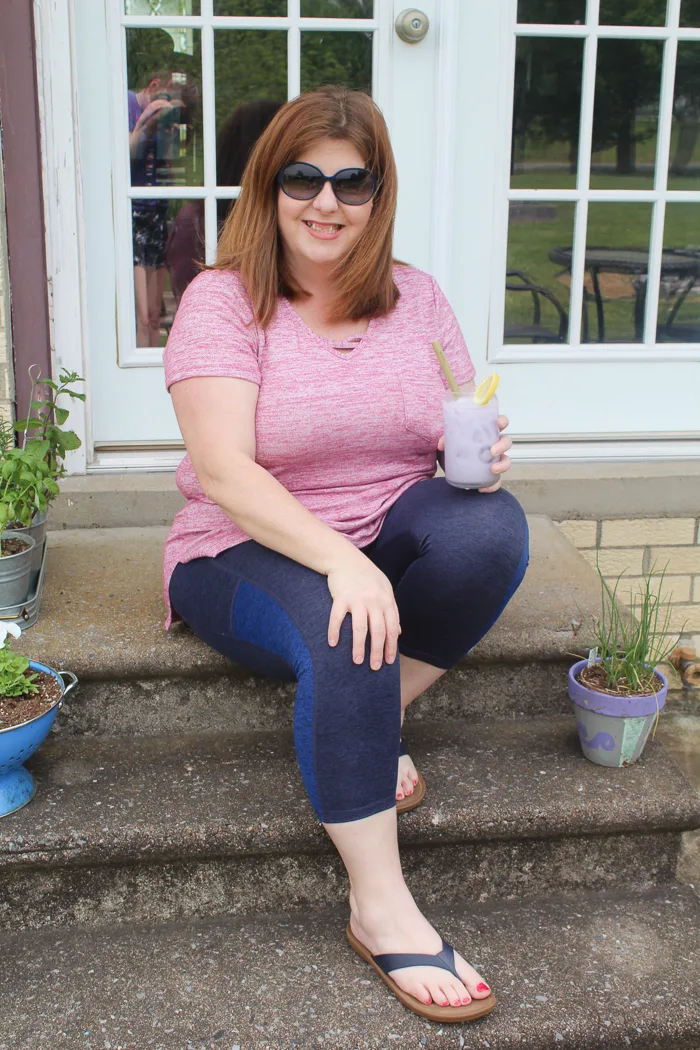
[422,395]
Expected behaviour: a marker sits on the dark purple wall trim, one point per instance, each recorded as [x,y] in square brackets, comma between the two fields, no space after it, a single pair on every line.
[21,145]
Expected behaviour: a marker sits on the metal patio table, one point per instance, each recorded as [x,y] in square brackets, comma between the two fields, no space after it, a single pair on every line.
[676,262]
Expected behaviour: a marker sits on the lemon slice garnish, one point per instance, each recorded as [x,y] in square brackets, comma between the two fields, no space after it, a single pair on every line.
[486,389]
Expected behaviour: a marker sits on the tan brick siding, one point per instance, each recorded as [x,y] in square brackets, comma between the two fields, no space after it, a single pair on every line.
[640,531]
[6,377]
[632,546]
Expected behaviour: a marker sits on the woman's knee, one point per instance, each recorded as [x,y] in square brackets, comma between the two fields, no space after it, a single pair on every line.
[482,530]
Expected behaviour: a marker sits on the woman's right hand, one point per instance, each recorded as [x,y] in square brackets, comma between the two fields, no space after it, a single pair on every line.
[358,587]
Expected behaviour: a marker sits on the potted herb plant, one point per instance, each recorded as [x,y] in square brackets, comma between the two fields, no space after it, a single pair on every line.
[29,475]
[618,692]
[30,697]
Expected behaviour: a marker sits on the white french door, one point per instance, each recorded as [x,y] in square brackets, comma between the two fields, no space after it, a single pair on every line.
[549,169]
[578,255]
[230,58]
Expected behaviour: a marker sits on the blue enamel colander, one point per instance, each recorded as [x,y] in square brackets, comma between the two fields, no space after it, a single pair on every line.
[17,786]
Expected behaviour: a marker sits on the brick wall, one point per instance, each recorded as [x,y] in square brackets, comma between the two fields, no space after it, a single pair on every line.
[6,378]
[633,545]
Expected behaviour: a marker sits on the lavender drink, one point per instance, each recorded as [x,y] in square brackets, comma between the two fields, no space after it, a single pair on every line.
[470,432]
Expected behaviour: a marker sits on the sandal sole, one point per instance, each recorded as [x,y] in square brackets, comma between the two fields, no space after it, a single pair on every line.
[451,1014]
[409,802]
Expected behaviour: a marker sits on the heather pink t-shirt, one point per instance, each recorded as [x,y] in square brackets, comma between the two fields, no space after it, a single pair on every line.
[345,433]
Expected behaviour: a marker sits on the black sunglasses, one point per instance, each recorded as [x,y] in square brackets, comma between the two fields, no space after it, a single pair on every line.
[303,182]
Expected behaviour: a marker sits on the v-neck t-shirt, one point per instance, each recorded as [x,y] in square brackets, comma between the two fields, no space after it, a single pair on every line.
[345,431]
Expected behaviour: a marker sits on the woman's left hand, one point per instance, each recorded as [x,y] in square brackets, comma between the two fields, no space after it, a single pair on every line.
[502,446]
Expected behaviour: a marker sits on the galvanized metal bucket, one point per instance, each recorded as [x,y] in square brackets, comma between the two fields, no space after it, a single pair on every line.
[17,786]
[37,529]
[16,570]
[613,729]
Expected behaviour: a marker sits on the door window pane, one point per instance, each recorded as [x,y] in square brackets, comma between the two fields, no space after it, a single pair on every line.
[168,245]
[617,259]
[250,66]
[162,7]
[690,13]
[336,58]
[552,12]
[537,289]
[625,119]
[259,8]
[337,8]
[679,293]
[237,135]
[164,77]
[546,113]
[633,12]
[684,160]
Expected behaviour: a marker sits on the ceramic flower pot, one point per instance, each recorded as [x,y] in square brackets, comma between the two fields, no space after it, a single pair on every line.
[613,729]
[17,786]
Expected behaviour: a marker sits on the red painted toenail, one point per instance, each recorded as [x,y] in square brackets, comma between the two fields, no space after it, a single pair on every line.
[482,987]
[466,1002]
[399,796]
[415,782]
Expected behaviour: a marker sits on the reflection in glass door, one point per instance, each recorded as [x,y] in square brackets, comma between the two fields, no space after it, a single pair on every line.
[603,243]
[200,80]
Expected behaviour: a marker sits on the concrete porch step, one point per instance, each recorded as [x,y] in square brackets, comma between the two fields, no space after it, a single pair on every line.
[606,970]
[160,828]
[102,617]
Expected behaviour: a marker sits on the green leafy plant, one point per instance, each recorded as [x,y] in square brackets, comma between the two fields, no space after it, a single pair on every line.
[13,680]
[29,474]
[630,644]
[50,417]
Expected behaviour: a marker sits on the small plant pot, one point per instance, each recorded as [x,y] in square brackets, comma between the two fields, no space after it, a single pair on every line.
[17,786]
[613,729]
[16,571]
[37,529]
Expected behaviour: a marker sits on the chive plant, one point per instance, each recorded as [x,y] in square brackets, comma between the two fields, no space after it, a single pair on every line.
[629,647]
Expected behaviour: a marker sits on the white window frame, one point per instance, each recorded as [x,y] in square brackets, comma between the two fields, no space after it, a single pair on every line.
[131,356]
[583,195]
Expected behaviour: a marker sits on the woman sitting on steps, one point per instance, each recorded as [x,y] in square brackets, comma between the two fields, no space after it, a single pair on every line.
[316,543]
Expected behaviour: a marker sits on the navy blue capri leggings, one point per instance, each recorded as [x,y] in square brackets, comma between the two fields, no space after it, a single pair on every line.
[454,558]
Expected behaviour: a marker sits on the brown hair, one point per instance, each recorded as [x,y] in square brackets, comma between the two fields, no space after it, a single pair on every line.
[250,241]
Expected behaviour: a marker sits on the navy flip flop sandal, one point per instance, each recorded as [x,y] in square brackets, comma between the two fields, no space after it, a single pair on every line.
[444,960]
[409,802]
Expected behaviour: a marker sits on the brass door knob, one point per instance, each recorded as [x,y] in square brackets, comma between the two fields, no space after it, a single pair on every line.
[412,25]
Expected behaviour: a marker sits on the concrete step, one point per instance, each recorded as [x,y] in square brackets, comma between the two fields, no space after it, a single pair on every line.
[160,828]
[102,617]
[605,970]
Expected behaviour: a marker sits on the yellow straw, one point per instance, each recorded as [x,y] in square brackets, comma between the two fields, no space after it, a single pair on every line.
[445,366]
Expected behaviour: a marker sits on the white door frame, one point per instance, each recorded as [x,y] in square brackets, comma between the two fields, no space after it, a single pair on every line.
[63,207]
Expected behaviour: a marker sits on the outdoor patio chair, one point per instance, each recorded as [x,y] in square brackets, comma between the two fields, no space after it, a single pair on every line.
[536,332]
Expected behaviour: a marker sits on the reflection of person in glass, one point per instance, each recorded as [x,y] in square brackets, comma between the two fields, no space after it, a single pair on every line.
[154,135]
[310,400]
[184,251]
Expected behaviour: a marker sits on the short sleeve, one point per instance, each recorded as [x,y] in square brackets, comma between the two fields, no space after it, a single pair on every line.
[451,338]
[213,333]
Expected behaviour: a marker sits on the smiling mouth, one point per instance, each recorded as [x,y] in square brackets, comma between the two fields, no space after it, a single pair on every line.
[323,227]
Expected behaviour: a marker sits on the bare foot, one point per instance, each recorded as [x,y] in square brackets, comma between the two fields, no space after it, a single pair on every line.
[407,777]
[395,924]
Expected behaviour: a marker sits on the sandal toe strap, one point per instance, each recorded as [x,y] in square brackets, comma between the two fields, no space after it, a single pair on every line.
[444,960]
[403,750]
